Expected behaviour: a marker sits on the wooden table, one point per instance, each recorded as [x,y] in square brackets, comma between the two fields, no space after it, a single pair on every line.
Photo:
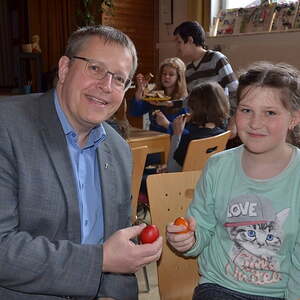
[157,142]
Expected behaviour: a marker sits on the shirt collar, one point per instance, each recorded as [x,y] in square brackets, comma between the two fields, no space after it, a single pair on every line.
[197,62]
[96,135]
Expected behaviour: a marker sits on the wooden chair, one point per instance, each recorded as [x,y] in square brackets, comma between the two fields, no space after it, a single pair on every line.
[139,155]
[200,150]
[169,196]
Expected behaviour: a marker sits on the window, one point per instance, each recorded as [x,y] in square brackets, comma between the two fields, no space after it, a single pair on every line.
[240,3]
[247,3]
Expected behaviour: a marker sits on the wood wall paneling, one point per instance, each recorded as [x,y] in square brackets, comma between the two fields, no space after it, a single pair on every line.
[139,20]
[54,21]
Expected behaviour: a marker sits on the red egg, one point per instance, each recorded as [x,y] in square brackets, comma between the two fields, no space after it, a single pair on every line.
[149,234]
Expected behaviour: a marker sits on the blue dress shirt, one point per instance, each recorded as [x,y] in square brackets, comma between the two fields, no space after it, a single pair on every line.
[86,172]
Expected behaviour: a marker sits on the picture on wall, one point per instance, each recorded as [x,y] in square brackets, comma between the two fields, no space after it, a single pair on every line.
[229,22]
[258,18]
[285,15]
[297,18]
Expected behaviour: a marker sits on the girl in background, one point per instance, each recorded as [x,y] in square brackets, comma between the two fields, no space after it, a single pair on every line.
[244,218]
[209,111]
[171,79]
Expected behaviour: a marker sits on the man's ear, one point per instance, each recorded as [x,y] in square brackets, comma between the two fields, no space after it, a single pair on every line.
[190,40]
[63,68]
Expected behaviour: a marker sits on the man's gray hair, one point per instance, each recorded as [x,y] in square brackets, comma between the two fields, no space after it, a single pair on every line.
[108,34]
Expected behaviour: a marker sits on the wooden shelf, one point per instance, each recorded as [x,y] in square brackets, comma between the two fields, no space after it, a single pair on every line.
[24,62]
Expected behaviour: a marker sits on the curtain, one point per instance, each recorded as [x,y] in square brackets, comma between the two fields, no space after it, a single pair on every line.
[6,57]
[53,21]
[199,10]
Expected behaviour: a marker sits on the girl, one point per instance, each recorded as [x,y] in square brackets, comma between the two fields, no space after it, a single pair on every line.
[209,108]
[244,218]
[171,79]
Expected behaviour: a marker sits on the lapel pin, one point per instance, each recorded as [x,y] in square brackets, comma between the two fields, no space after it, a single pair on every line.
[106,166]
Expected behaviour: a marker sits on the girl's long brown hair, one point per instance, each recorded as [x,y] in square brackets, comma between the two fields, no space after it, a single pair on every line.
[208,103]
[180,90]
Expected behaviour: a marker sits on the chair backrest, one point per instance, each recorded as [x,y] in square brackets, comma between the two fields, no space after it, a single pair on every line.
[200,150]
[169,196]
[139,155]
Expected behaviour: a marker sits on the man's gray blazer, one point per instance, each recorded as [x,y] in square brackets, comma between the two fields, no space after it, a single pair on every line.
[40,252]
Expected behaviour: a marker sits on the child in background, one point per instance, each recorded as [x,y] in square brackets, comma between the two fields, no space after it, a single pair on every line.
[244,218]
[171,79]
[209,111]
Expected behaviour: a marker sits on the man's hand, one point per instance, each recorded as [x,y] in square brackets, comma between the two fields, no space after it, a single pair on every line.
[121,255]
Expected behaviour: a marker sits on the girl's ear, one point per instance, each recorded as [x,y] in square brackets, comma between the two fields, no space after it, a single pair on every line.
[295,120]
[63,68]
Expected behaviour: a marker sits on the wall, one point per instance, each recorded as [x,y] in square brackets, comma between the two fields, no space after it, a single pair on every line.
[244,49]
[182,11]
[241,50]
[165,46]
[138,19]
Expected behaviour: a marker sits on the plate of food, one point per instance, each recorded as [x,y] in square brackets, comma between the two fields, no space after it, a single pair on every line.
[156,96]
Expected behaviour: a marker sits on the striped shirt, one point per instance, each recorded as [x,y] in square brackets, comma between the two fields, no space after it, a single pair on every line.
[213,66]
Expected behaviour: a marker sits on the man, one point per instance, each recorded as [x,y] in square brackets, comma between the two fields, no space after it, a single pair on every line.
[203,65]
[65,181]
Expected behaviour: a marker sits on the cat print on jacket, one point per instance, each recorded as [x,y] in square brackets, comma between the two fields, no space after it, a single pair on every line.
[256,231]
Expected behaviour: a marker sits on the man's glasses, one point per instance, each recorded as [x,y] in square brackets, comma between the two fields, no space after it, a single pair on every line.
[96,70]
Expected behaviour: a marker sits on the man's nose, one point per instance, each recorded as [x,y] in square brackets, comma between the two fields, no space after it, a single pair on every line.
[106,82]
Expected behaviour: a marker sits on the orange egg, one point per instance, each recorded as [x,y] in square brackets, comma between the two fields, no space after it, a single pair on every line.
[183,222]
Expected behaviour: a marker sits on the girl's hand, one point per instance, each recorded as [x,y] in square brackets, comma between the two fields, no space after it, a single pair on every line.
[161,119]
[141,84]
[184,241]
[162,103]
[178,125]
